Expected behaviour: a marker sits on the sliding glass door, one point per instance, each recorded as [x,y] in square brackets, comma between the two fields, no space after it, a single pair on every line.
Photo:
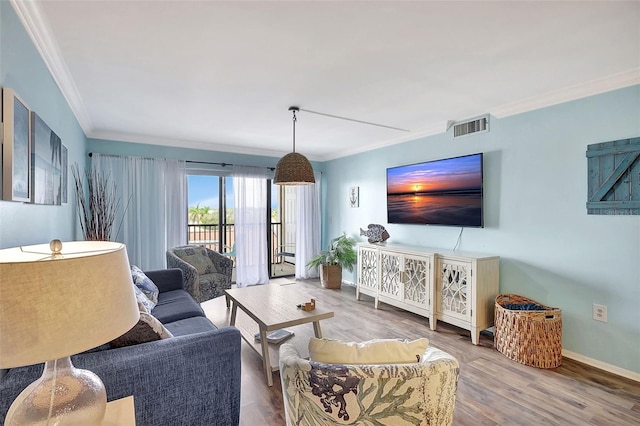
[211,220]
[282,231]
[211,212]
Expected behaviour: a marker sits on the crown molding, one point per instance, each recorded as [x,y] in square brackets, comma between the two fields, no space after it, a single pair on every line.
[578,91]
[37,26]
[182,143]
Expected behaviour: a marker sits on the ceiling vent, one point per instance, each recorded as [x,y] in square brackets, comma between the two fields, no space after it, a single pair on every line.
[472,126]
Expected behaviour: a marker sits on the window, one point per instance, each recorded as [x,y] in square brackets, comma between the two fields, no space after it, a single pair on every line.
[211,219]
[211,211]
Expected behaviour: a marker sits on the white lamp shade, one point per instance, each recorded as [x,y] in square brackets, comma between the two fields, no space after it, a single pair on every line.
[56,307]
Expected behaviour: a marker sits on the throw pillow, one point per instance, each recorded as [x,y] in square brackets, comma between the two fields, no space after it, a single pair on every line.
[143,300]
[143,308]
[198,258]
[379,351]
[148,329]
[145,284]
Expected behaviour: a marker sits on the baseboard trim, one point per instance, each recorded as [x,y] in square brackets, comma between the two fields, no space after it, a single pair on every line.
[632,375]
[602,365]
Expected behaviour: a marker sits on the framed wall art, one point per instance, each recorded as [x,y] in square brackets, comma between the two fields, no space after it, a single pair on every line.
[354,196]
[46,163]
[16,150]
[65,174]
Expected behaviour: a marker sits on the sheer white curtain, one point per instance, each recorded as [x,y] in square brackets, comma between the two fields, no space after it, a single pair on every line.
[250,191]
[307,227]
[153,192]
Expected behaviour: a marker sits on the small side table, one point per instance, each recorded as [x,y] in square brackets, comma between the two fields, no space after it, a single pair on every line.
[120,412]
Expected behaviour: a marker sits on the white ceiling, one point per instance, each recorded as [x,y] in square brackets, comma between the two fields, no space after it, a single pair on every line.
[220,75]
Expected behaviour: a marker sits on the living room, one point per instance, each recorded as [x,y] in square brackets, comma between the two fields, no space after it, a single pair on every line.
[535,194]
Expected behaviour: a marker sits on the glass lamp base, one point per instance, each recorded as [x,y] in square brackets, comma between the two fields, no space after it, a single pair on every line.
[63,395]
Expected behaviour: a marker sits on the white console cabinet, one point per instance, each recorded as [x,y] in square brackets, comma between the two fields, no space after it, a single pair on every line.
[454,287]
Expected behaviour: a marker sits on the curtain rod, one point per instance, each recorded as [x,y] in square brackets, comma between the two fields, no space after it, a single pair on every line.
[121,156]
[200,162]
[225,164]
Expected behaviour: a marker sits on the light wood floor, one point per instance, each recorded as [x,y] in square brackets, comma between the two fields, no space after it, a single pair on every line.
[492,390]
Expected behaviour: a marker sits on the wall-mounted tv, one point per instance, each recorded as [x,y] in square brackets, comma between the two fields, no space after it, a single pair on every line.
[440,192]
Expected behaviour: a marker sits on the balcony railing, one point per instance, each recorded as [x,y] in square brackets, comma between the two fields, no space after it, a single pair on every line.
[209,235]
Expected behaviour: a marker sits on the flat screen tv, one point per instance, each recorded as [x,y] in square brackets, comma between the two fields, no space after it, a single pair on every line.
[440,192]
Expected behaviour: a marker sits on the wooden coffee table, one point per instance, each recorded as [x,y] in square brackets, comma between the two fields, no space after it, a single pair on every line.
[273,307]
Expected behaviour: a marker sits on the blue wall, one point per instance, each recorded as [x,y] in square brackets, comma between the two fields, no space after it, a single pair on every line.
[535,194]
[23,70]
[535,187]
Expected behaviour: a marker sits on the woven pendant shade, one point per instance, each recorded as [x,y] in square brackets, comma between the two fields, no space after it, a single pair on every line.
[294,169]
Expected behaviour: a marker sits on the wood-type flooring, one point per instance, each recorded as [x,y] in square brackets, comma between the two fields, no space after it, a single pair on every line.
[492,389]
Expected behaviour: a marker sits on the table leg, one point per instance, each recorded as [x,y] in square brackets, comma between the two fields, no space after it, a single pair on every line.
[266,362]
[234,311]
[317,330]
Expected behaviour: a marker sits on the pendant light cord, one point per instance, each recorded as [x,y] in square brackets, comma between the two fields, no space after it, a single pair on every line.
[294,130]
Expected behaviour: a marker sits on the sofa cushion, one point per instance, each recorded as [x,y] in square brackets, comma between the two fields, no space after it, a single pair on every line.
[378,351]
[196,257]
[148,329]
[176,305]
[143,282]
[167,279]
[191,325]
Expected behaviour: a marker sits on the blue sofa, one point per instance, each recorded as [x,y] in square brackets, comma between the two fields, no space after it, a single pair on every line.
[192,378]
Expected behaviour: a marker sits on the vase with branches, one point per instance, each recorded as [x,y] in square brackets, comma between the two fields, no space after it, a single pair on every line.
[97,204]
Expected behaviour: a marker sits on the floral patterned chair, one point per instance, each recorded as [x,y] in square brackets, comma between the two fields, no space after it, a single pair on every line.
[207,273]
[392,394]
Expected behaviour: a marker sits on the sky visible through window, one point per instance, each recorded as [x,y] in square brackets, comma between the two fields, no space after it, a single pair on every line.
[203,190]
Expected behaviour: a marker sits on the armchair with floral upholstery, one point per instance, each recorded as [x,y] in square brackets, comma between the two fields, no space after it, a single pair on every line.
[415,393]
[207,273]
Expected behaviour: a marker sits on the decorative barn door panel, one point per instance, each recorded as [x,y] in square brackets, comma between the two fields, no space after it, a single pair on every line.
[614,177]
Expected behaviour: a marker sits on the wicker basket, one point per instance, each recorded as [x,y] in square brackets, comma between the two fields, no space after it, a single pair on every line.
[530,337]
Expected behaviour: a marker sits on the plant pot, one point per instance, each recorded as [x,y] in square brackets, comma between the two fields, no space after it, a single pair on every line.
[331,276]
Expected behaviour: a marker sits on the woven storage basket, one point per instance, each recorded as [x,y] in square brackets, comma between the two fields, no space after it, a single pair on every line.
[532,338]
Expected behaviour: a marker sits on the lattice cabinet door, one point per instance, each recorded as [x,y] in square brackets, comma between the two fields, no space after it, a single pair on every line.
[417,286]
[454,289]
[390,274]
[367,271]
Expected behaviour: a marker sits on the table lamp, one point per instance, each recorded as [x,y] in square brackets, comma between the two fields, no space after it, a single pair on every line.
[57,300]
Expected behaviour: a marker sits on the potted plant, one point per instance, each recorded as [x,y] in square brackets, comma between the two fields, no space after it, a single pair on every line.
[341,254]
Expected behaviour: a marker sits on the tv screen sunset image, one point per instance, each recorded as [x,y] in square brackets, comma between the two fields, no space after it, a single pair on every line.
[442,192]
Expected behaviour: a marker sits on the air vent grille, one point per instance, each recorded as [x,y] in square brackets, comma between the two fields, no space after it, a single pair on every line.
[473,126]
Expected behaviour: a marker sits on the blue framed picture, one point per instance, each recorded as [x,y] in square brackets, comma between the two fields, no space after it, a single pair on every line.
[16,149]
[46,163]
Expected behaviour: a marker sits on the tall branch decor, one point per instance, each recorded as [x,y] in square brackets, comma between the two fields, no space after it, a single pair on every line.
[98,206]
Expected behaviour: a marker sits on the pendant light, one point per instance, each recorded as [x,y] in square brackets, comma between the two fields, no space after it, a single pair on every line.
[294,168]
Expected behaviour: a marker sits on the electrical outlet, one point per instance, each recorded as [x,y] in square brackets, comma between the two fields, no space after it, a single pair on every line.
[599,312]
